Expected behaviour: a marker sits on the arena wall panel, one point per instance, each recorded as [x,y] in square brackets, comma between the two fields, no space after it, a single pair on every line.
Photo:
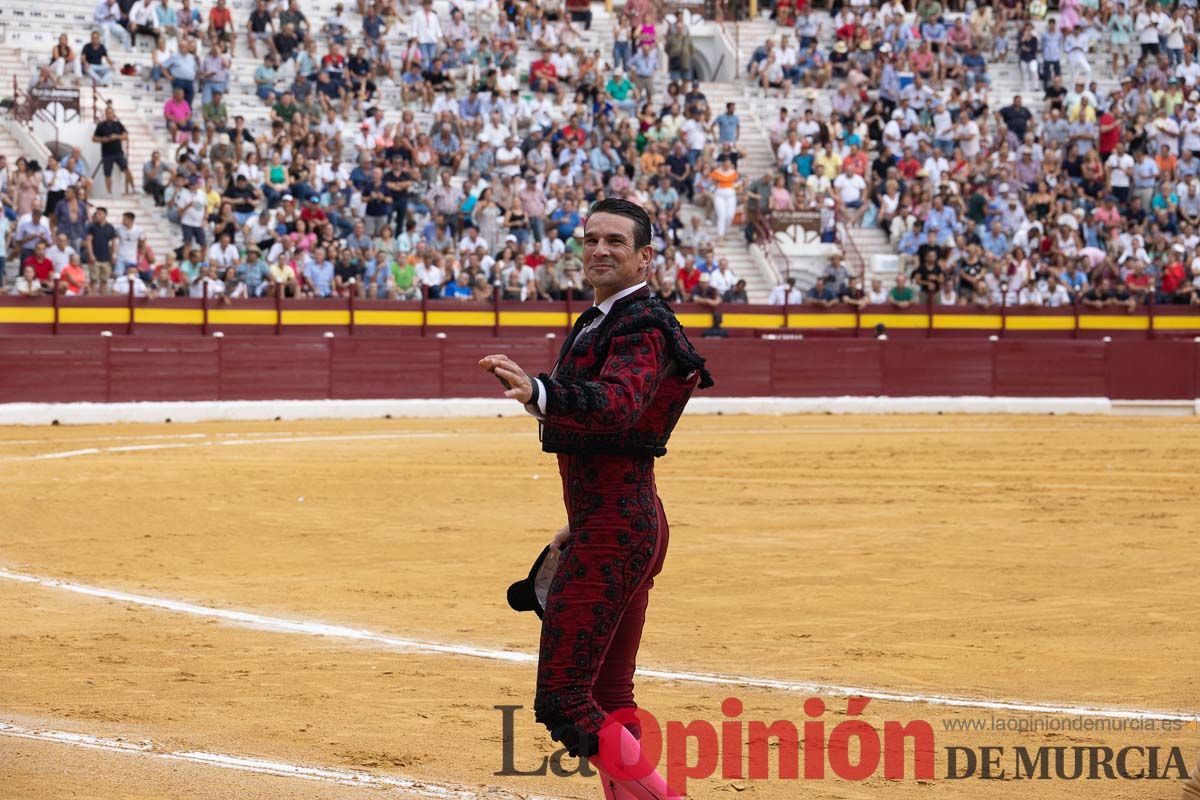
[1049,369]
[161,368]
[259,368]
[58,368]
[1139,370]
[39,368]
[823,368]
[932,367]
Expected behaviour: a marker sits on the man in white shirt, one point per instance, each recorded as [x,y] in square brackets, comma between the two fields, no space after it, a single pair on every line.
[121,285]
[508,157]
[1188,71]
[60,253]
[1120,172]
[1190,131]
[207,279]
[223,253]
[552,248]
[192,204]
[564,63]
[131,241]
[966,133]
[426,28]
[470,240]
[850,188]
[1167,132]
[722,278]
[788,151]
[695,135]
[786,294]
[494,132]
[893,137]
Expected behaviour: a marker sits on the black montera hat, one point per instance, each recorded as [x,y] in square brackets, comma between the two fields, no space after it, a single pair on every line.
[529,594]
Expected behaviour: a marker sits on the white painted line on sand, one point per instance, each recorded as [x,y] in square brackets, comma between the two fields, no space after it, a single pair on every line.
[279,439]
[370,780]
[307,628]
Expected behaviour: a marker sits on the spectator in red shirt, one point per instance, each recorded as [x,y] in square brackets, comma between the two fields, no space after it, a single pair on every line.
[312,213]
[220,22]
[1110,133]
[1138,281]
[534,259]
[573,132]
[543,74]
[688,279]
[909,166]
[1174,278]
[43,267]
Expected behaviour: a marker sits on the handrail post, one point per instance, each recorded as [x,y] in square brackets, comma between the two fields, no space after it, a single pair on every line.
[353,291]
[1150,314]
[54,325]
[424,308]
[129,326]
[496,311]
[568,292]
[1075,310]
[204,309]
[928,314]
[278,309]
[1003,308]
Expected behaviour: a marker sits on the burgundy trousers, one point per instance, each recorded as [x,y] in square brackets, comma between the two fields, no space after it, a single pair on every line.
[596,606]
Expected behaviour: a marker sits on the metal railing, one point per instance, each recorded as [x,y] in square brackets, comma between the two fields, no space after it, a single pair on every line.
[850,250]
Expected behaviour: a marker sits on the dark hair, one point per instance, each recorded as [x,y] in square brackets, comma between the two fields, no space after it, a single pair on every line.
[624,208]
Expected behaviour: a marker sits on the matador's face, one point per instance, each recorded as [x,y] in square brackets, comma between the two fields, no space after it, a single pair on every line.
[611,262]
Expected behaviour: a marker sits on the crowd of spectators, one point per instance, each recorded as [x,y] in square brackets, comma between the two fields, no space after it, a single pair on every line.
[1065,192]
[1074,190]
[388,151]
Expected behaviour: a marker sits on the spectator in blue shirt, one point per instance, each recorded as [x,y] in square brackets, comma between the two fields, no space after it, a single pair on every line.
[942,221]
[993,240]
[318,274]
[644,64]
[566,220]
[727,125]
[976,67]
[820,294]
[459,288]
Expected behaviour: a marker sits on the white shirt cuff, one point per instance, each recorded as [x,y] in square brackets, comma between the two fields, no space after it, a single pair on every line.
[538,409]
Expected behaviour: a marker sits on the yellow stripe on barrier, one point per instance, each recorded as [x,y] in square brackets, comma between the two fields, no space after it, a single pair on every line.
[544,319]
[1095,322]
[26,316]
[1173,323]
[385,318]
[113,315]
[895,320]
[969,321]
[169,316]
[309,317]
[240,316]
[744,320]
[475,319]
[1041,323]
[694,320]
[820,320]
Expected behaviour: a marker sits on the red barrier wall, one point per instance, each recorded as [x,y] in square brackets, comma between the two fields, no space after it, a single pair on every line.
[123,368]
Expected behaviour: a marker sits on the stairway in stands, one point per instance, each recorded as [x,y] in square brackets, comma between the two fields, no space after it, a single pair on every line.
[160,233]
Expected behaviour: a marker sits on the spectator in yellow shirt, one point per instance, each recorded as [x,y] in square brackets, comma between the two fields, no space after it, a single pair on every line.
[828,163]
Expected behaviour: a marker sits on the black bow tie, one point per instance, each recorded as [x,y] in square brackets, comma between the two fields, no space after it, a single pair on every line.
[584,320]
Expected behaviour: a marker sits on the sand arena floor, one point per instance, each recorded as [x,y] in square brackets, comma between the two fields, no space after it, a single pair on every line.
[1042,560]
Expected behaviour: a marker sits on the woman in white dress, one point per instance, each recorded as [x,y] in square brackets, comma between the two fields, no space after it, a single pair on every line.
[488,216]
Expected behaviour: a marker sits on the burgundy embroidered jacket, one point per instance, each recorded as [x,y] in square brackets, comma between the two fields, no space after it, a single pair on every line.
[622,386]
